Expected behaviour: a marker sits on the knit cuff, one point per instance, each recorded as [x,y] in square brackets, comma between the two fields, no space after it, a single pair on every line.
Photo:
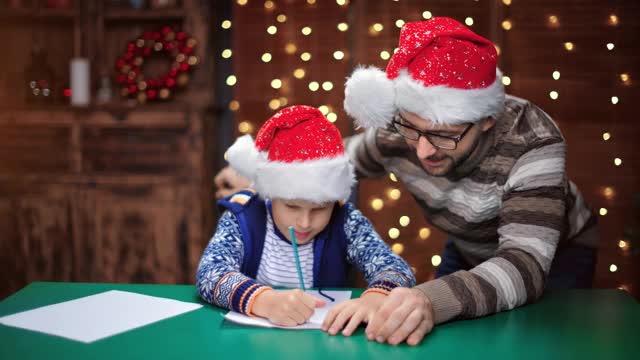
[252,299]
[243,296]
[385,285]
[375,290]
[445,304]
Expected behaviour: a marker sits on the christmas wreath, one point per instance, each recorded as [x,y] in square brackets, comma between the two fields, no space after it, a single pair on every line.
[178,45]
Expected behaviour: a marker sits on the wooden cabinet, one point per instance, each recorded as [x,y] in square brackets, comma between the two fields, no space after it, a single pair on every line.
[94,198]
[115,192]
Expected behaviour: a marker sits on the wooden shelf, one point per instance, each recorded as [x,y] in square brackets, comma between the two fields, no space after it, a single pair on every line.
[39,14]
[16,13]
[132,14]
[122,111]
[36,107]
[57,13]
[112,107]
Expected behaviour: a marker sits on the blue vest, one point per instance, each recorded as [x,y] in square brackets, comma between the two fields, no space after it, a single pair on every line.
[330,266]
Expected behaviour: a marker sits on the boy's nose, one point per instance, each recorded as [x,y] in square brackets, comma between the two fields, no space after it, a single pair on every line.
[304,220]
[424,148]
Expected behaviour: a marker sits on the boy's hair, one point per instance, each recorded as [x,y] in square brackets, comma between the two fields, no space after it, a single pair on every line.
[297,154]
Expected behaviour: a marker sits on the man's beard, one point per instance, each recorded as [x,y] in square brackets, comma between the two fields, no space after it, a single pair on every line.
[454,162]
[445,159]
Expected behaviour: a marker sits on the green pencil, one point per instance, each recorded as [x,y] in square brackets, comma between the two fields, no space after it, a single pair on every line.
[295,252]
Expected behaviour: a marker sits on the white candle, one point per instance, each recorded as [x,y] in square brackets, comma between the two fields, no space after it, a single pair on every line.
[80,82]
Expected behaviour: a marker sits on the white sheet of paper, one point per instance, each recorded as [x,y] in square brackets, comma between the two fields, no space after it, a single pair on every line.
[315,322]
[98,316]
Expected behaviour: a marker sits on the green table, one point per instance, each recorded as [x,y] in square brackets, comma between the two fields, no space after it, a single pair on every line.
[579,324]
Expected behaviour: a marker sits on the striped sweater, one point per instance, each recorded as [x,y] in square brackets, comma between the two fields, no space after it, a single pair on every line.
[509,205]
[278,257]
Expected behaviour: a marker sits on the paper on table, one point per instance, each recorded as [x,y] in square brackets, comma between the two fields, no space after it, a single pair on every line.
[98,316]
[315,322]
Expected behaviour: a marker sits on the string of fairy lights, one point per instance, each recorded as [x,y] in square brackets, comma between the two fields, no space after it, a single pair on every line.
[554,22]
[280,17]
[290,49]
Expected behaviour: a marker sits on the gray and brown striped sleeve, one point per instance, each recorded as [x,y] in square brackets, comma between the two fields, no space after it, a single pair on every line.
[530,225]
[364,154]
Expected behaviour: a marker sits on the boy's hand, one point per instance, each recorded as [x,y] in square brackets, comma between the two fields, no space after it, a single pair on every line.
[354,311]
[286,308]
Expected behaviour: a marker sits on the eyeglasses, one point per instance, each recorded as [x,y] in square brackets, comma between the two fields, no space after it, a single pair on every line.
[437,140]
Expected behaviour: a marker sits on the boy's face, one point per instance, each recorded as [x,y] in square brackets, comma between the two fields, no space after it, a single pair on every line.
[307,218]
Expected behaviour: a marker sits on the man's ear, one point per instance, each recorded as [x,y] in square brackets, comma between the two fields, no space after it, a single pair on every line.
[488,123]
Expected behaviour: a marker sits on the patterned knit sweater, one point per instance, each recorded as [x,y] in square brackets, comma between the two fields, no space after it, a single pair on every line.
[220,282]
[509,205]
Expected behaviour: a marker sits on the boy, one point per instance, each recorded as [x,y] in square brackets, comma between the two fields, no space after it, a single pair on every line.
[301,174]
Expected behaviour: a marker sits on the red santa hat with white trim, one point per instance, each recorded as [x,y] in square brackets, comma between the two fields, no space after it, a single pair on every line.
[297,154]
[442,72]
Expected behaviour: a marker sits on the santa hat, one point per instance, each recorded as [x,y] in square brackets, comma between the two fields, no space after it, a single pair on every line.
[297,154]
[442,71]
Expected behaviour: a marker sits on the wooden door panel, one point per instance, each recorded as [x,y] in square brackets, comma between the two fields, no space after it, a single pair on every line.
[12,264]
[45,236]
[133,233]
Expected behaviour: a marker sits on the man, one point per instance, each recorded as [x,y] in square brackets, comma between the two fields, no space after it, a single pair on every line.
[486,168]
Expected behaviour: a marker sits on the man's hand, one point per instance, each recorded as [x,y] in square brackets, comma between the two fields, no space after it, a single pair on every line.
[354,312]
[286,308]
[229,182]
[406,314]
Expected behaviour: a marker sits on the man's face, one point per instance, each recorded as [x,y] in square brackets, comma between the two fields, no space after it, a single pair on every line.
[440,162]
